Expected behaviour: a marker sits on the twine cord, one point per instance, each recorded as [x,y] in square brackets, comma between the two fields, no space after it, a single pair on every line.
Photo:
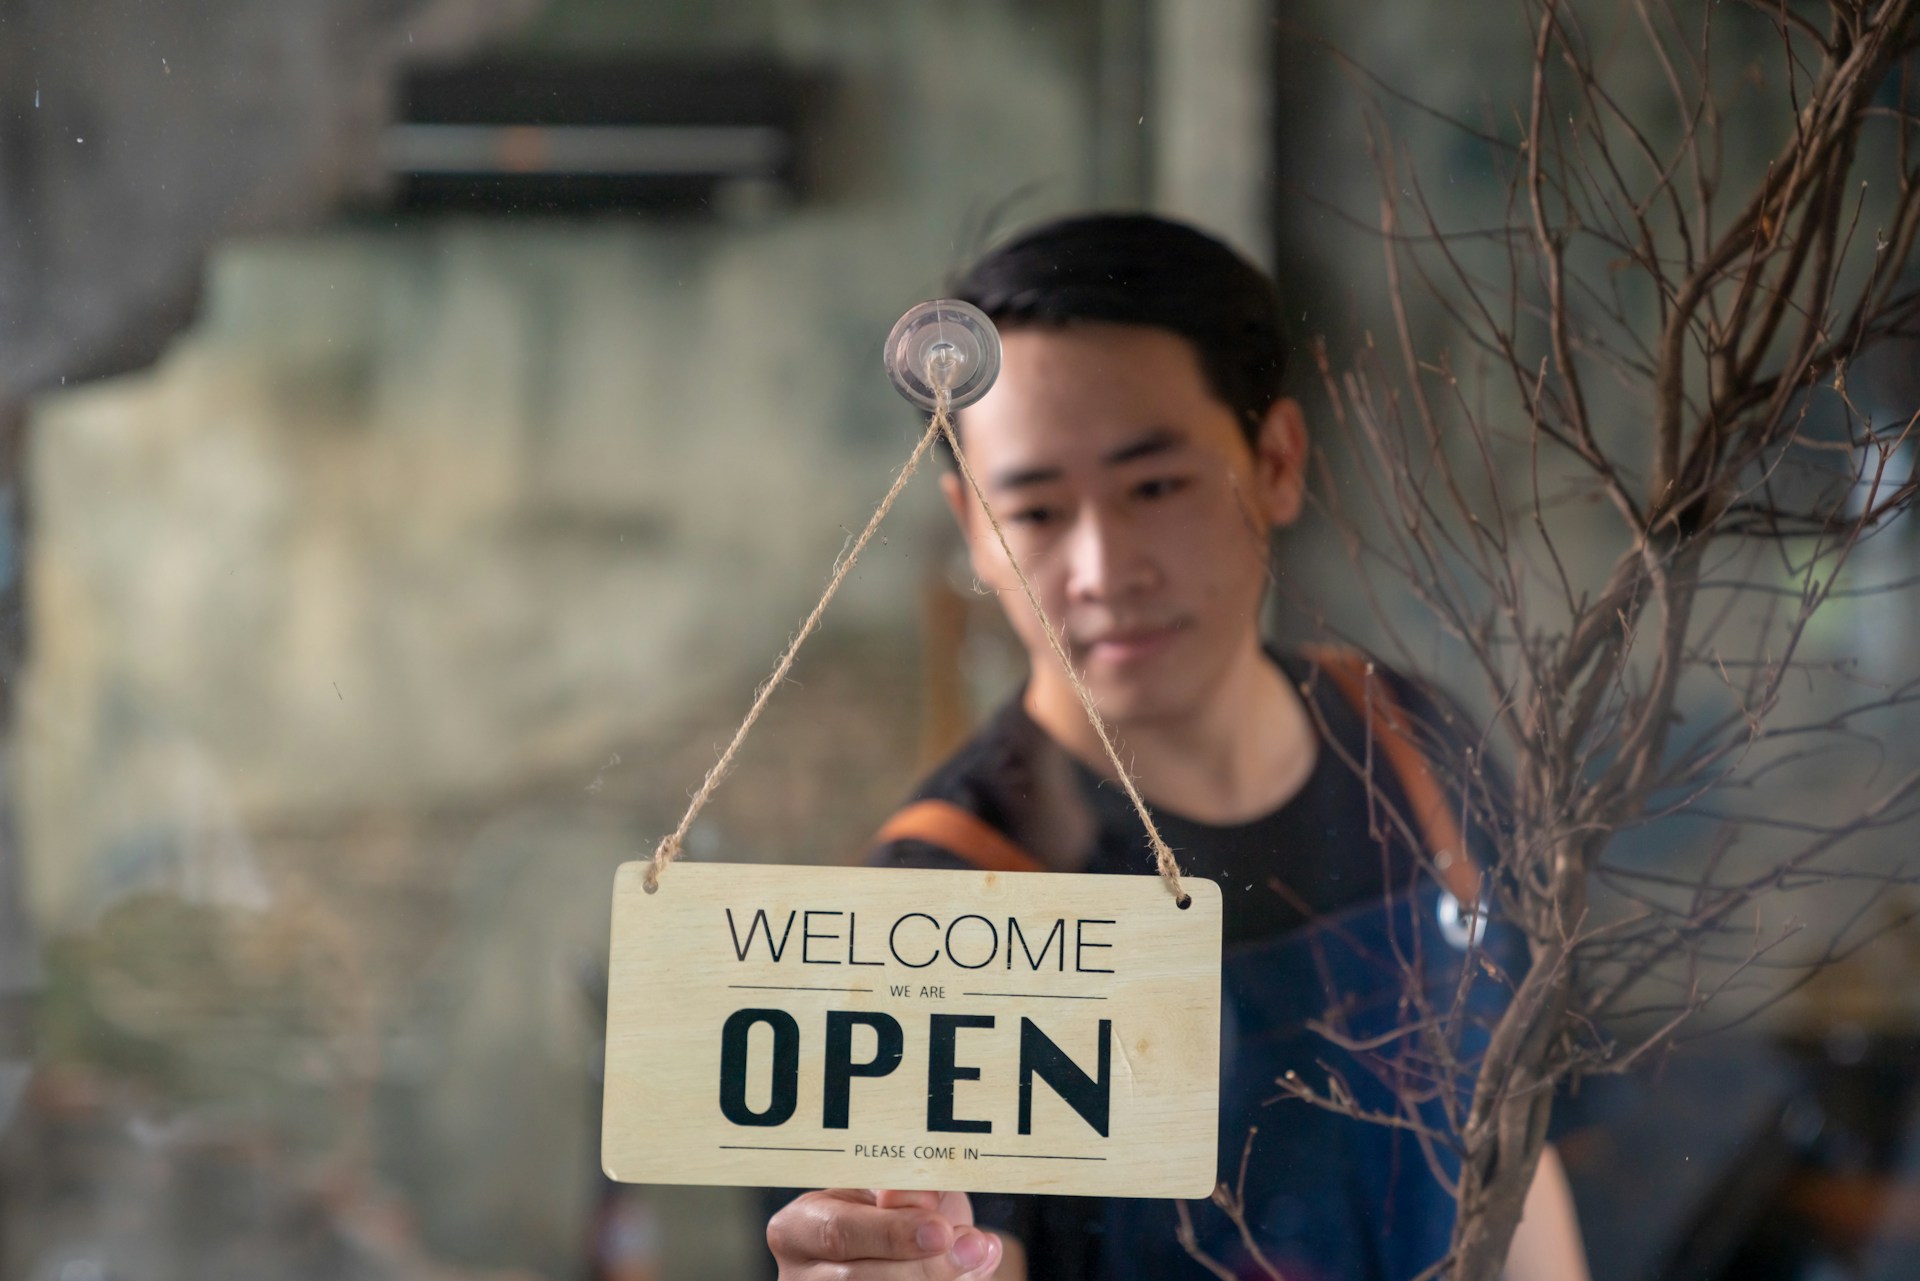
[1163,859]
[672,844]
[938,426]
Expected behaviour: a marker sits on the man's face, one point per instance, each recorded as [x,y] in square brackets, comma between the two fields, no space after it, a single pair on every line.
[1133,501]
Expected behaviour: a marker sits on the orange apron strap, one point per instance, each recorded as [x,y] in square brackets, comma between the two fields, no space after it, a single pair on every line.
[1431,810]
[954,830]
[974,840]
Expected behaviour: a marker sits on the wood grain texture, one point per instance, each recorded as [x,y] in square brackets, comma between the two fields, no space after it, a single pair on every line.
[883,1021]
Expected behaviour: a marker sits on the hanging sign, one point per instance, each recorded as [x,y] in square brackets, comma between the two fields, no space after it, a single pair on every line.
[886,1028]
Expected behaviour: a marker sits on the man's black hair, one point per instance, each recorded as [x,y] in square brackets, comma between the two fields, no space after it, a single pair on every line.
[1136,269]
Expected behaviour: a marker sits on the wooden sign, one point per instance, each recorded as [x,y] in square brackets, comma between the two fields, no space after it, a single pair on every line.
[883,1028]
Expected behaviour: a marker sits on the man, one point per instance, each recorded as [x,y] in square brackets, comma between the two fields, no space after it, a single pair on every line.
[1138,453]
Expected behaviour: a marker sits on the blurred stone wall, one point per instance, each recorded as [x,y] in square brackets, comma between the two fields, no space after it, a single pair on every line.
[413,519]
[133,137]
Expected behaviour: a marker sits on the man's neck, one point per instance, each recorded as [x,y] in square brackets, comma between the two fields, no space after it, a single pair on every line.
[1244,752]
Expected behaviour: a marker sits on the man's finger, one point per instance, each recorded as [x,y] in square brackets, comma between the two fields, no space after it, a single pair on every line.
[973,1256]
[821,1225]
[977,1253]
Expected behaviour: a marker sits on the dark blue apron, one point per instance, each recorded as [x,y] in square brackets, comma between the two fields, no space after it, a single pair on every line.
[1330,1198]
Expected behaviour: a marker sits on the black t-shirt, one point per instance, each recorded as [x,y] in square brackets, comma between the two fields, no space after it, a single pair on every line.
[1276,872]
[1328,848]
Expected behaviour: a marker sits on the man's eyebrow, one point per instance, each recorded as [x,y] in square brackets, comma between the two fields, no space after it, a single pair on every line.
[1020,477]
[1157,441]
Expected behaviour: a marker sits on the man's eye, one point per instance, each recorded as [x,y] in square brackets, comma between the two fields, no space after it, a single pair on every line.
[1035,517]
[1160,487]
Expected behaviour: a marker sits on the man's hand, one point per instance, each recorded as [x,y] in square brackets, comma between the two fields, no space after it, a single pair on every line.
[1547,1245]
[853,1234]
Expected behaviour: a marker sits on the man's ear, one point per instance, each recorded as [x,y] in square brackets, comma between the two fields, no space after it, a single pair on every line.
[954,490]
[966,512]
[1280,461]
[960,502]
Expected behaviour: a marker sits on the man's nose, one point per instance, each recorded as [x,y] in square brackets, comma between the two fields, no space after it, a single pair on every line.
[1105,561]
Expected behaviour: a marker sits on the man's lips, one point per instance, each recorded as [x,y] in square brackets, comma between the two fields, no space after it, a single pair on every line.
[1130,645]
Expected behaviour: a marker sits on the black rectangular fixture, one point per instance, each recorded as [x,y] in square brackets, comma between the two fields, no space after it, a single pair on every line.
[561,137]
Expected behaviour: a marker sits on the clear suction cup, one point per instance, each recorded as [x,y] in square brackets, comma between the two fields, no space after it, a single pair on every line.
[947,343]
